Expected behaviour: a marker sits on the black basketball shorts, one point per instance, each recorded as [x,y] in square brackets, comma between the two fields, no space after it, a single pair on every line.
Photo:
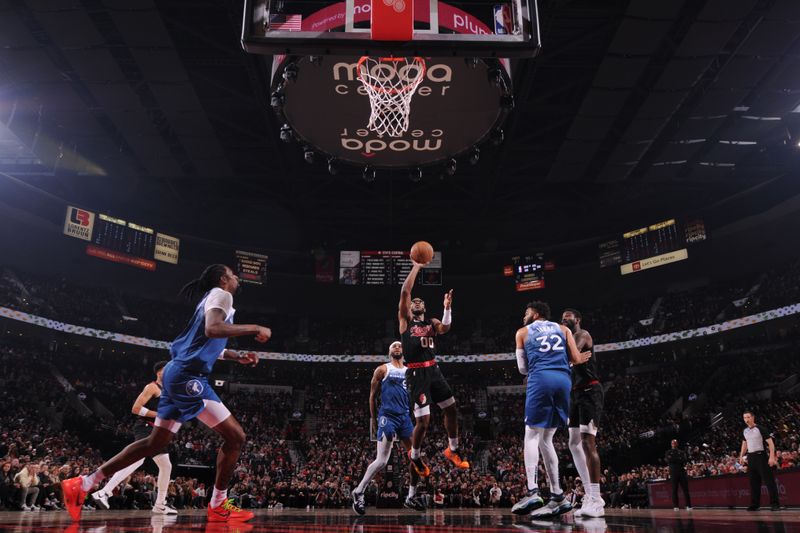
[586,408]
[427,386]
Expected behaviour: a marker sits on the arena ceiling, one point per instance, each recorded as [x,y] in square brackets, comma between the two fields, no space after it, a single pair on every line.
[635,110]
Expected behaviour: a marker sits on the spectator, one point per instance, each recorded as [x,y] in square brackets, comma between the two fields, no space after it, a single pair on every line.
[27,481]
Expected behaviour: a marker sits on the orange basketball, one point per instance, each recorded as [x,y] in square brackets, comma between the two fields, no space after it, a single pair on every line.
[422,252]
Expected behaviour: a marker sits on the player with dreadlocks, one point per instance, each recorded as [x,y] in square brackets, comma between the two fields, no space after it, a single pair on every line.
[187,394]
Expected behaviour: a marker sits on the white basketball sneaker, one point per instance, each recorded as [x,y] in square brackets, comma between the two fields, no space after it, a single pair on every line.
[592,508]
[101,499]
[163,508]
[530,502]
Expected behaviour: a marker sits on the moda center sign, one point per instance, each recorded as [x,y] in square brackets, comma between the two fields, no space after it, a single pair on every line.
[455,107]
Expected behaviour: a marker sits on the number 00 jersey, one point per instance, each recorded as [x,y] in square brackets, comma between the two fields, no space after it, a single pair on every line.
[418,342]
[546,347]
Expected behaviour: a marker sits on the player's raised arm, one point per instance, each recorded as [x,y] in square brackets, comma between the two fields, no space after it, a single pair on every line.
[404,309]
[576,357]
[522,358]
[150,390]
[443,326]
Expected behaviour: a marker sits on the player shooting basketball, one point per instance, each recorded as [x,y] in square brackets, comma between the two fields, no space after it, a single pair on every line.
[425,380]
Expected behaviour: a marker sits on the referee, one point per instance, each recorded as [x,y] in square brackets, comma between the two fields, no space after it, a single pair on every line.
[759,468]
[677,459]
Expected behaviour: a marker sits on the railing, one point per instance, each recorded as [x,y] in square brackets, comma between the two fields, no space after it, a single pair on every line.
[750,320]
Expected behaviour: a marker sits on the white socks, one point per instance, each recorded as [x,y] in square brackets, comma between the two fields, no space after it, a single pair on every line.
[415,453]
[550,458]
[120,476]
[412,490]
[380,462]
[88,482]
[531,454]
[453,443]
[164,471]
[218,497]
[579,457]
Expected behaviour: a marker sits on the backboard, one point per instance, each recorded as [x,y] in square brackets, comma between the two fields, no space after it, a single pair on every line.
[460,104]
[466,28]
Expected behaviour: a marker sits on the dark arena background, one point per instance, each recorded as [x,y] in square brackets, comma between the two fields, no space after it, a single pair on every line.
[635,160]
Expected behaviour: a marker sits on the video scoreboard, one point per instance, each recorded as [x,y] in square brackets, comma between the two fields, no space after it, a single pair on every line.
[651,246]
[251,267]
[528,272]
[121,241]
[385,267]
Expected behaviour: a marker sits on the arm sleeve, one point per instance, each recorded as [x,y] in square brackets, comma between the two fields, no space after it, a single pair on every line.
[219,299]
[522,362]
[766,434]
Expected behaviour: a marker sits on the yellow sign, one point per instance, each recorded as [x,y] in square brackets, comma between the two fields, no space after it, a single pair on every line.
[634,233]
[655,261]
[112,219]
[167,248]
[661,225]
[143,229]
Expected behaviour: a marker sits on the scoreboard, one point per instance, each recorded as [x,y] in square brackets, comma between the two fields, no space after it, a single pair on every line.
[251,267]
[651,246]
[120,236]
[650,241]
[120,241]
[385,267]
[528,272]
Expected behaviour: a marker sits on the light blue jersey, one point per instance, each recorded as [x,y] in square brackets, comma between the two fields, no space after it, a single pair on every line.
[192,351]
[547,395]
[394,392]
[546,347]
[394,415]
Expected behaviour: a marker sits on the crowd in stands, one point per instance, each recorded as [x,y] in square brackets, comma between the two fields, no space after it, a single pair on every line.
[621,320]
[34,455]
[311,453]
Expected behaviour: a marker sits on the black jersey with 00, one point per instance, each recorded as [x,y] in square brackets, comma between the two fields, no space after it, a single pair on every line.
[418,341]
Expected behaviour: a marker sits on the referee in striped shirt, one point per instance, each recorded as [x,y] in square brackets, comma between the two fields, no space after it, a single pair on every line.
[759,468]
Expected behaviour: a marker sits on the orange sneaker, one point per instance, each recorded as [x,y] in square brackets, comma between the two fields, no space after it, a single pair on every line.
[73,496]
[419,466]
[456,459]
[228,512]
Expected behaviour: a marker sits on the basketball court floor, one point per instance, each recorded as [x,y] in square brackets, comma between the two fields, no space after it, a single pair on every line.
[397,521]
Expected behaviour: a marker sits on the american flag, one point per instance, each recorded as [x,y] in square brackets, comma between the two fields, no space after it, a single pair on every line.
[285,22]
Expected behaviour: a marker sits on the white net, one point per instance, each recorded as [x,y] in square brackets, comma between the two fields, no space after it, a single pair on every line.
[390,83]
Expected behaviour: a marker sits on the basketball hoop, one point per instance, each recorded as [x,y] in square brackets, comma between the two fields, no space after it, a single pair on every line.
[390,83]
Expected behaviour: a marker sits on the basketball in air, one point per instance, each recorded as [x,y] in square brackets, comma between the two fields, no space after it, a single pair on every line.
[422,252]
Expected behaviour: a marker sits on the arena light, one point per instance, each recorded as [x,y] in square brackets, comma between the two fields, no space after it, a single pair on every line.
[286,134]
[497,137]
[368,174]
[333,167]
[276,100]
[308,155]
[290,73]
[474,156]
[451,167]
